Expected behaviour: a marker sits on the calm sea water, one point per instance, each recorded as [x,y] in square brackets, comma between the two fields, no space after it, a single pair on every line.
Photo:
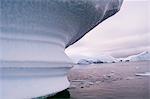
[108,81]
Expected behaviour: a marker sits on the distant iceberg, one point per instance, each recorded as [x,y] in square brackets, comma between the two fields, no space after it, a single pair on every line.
[84,62]
[109,59]
[97,60]
[139,57]
[89,61]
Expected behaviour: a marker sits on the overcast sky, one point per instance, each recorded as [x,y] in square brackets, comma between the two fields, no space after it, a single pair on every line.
[126,33]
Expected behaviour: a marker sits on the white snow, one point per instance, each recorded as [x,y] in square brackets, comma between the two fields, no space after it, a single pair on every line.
[106,58]
[139,57]
[86,60]
[97,60]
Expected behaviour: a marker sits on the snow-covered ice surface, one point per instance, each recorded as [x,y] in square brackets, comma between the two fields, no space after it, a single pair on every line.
[95,60]
[98,59]
[139,57]
[84,60]
[33,37]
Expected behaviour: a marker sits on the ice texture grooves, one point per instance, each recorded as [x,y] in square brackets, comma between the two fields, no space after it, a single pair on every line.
[33,37]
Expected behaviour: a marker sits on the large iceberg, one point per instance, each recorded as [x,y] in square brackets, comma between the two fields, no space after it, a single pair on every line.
[33,37]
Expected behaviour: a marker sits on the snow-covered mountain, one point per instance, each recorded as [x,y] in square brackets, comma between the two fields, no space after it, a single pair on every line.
[139,57]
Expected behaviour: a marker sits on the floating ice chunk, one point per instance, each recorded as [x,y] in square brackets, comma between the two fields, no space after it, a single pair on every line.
[143,74]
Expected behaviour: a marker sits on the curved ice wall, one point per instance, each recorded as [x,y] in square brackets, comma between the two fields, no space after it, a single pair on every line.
[33,37]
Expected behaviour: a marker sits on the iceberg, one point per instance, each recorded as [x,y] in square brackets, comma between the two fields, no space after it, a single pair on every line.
[97,60]
[89,61]
[107,58]
[33,37]
[139,57]
[85,62]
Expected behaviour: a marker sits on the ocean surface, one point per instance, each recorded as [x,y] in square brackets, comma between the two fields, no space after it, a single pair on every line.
[124,80]
[128,80]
